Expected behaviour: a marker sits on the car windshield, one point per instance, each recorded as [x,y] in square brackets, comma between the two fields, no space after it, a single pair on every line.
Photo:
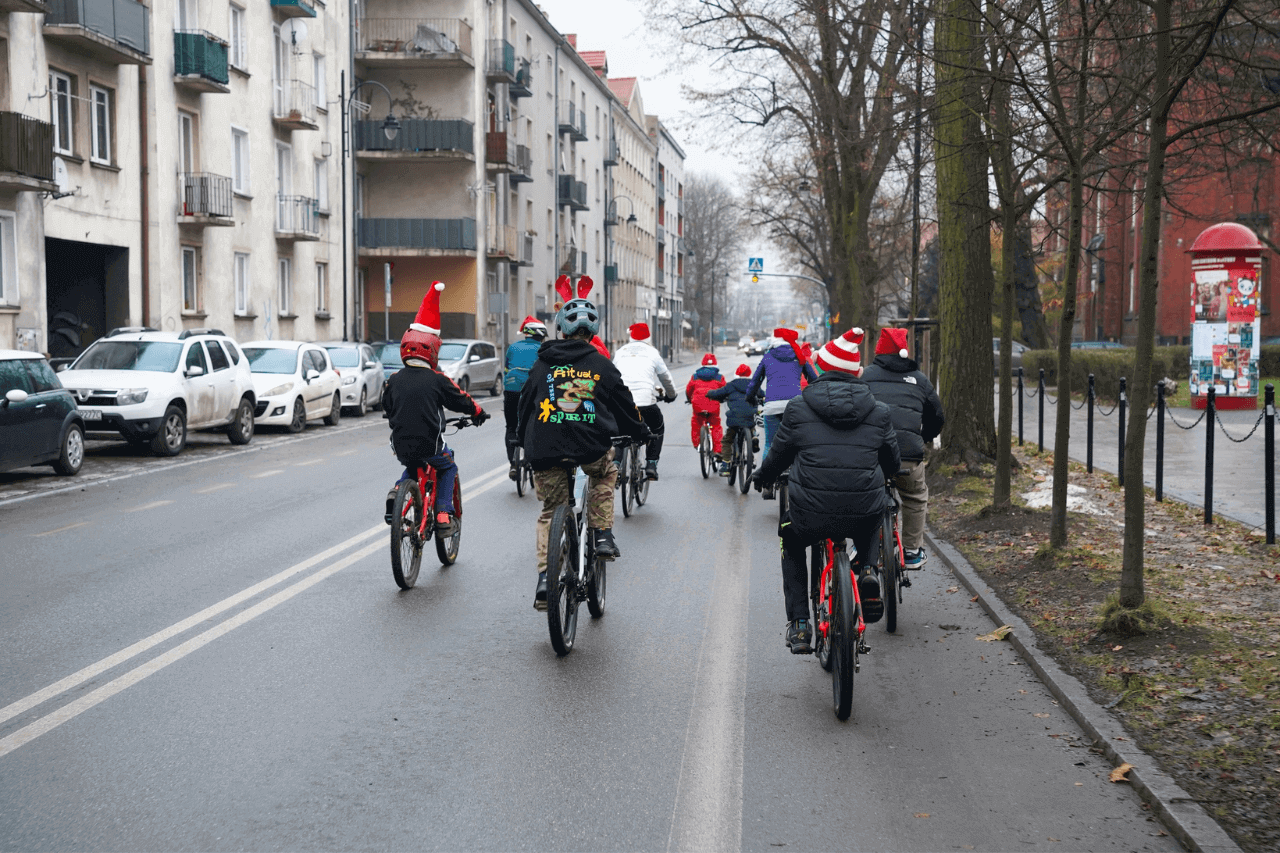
[344,356]
[389,355]
[452,352]
[157,356]
[271,360]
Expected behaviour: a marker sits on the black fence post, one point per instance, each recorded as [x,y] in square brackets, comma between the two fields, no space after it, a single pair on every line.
[1040,393]
[1088,452]
[1124,405]
[1269,460]
[1160,441]
[1019,406]
[1210,416]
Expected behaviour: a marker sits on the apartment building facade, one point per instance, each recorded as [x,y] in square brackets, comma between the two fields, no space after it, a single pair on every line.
[669,237]
[634,194]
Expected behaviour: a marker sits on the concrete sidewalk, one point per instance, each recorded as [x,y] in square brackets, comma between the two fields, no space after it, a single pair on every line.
[1238,488]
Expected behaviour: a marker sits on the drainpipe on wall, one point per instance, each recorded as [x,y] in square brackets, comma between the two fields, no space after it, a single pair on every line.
[145,195]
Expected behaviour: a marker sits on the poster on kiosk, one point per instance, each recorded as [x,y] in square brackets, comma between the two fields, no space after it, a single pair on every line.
[1226,264]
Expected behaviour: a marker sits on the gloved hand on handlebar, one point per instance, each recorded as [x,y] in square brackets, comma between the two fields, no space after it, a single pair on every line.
[669,398]
[757,481]
[480,417]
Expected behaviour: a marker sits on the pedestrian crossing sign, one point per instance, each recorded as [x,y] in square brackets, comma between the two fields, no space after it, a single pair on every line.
[755,265]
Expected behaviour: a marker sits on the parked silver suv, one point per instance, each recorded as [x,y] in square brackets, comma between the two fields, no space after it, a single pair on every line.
[472,364]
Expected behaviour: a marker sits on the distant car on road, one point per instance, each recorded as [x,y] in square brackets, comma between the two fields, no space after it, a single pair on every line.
[758,347]
[1274,340]
[39,422]
[150,387]
[388,352]
[1097,345]
[1016,352]
[295,383]
[472,364]
[362,375]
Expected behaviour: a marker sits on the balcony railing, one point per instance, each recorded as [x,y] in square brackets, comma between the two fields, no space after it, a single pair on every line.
[611,153]
[567,258]
[499,150]
[525,258]
[294,105]
[201,194]
[522,172]
[568,117]
[125,22]
[26,146]
[200,58]
[521,86]
[442,234]
[417,135]
[572,193]
[662,189]
[504,241]
[611,273]
[297,217]
[430,40]
[502,60]
[294,8]
[662,236]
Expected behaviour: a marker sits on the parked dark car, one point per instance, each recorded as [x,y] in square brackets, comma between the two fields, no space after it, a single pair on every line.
[1016,353]
[39,423]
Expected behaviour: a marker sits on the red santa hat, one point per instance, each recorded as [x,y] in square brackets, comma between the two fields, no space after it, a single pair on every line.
[892,341]
[639,331]
[743,370]
[527,320]
[709,360]
[427,320]
[788,335]
[843,353]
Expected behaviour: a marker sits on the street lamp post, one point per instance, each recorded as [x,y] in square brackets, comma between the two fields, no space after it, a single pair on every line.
[610,220]
[391,128]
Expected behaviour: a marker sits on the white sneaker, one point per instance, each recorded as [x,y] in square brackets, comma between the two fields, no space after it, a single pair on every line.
[916,560]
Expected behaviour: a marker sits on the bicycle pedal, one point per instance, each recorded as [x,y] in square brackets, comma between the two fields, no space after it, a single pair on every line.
[864,649]
[903,580]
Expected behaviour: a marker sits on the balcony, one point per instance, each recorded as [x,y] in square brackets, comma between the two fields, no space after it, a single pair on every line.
[503,242]
[525,258]
[611,153]
[501,67]
[522,172]
[114,31]
[680,205]
[520,87]
[662,236]
[414,42]
[22,6]
[680,285]
[572,193]
[297,218]
[294,106]
[568,118]
[658,277]
[662,190]
[571,259]
[611,274]
[417,237]
[293,8]
[200,61]
[499,151]
[204,199]
[418,139]
[26,154]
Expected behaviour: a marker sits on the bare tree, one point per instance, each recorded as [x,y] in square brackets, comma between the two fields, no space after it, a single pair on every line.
[713,233]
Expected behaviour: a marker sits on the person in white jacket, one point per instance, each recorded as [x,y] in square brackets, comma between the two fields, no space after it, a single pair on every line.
[645,374]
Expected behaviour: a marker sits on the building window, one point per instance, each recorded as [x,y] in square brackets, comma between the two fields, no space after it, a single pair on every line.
[286,287]
[322,183]
[240,272]
[8,258]
[61,100]
[240,160]
[239,39]
[322,288]
[317,62]
[100,124]
[190,278]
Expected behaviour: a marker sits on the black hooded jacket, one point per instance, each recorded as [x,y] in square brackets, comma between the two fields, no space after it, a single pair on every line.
[913,404]
[840,446]
[572,405]
[412,399]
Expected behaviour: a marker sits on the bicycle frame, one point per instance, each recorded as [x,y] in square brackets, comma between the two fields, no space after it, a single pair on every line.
[825,586]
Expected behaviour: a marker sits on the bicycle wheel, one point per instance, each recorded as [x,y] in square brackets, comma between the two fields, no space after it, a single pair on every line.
[596,587]
[843,636]
[406,546]
[704,451]
[626,482]
[447,546]
[733,460]
[562,582]
[518,461]
[639,480]
[889,567]
[821,606]
[748,463]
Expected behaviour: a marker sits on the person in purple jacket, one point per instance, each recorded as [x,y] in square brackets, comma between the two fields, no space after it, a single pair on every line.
[778,376]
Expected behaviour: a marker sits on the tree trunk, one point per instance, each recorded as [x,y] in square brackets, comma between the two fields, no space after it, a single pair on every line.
[966,285]
[1062,432]
[1002,162]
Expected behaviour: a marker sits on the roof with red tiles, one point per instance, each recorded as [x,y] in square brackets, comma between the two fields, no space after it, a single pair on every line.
[623,87]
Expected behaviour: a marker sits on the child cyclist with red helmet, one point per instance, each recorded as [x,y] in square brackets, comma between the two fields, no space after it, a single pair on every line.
[414,399]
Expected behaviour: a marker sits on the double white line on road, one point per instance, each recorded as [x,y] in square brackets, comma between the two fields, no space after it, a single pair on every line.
[52,720]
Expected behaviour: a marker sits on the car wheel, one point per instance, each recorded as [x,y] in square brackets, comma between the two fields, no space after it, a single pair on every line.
[363,408]
[335,411]
[72,457]
[240,430]
[464,383]
[299,421]
[172,436]
[497,385]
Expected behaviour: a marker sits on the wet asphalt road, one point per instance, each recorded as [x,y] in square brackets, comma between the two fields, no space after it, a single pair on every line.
[214,657]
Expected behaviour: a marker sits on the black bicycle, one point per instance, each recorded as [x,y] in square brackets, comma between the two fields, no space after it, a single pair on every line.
[743,462]
[632,480]
[524,471]
[889,566]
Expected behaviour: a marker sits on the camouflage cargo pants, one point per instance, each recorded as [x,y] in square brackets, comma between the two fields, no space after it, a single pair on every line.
[553,488]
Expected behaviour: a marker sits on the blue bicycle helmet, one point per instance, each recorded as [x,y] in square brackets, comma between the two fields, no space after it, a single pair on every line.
[580,314]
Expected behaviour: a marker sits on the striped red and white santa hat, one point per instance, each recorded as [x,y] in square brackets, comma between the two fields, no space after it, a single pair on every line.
[843,353]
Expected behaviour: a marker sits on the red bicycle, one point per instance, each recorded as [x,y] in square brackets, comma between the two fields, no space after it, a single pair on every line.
[412,524]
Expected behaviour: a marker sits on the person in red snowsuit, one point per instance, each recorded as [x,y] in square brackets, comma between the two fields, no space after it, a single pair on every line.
[705,410]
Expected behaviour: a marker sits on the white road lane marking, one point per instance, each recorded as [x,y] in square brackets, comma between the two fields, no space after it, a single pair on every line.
[308,462]
[61,529]
[707,814]
[271,473]
[70,711]
[345,452]
[215,487]
[152,505]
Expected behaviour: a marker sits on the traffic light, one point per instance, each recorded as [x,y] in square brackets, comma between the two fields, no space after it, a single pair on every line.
[755,279]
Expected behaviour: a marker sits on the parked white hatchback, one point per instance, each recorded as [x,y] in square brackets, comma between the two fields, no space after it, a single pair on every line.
[151,386]
[295,383]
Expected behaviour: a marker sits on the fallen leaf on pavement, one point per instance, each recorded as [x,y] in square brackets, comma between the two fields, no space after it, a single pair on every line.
[975,598]
[1121,773]
[1040,715]
[953,589]
[922,814]
[998,634]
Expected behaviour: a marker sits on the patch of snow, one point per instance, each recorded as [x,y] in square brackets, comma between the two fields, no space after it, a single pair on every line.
[1079,499]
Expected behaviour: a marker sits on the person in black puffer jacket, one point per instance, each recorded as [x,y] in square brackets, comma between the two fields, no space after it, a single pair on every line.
[897,382]
[742,414]
[841,447]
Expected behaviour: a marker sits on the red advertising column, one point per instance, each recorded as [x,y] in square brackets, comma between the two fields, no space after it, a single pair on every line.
[1226,265]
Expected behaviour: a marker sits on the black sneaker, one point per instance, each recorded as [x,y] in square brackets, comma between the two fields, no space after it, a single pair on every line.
[800,637]
[767,493]
[651,469]
[605,547]
[755,445]
[540,592]
[391,505]
[514,473]
[869,593]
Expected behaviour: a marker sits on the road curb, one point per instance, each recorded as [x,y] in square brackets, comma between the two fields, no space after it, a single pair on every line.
[1185,819]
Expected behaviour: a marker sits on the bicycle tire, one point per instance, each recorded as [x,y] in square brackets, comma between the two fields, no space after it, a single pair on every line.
[844,637]
[626,476]
[639,479]
[821,612]
[889,568]
[447,547]
[704,451]
[748,468]
[733,460]
[517,460]
[406,546]
[562,583]
[596,585]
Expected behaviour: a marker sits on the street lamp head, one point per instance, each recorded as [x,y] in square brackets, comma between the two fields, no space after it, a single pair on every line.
[391,127]
[631,220]
[804,185]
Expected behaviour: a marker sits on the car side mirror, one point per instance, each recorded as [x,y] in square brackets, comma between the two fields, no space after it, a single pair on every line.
[15,395]
[475,356]
[194,370]
[370,365]
[312,375]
